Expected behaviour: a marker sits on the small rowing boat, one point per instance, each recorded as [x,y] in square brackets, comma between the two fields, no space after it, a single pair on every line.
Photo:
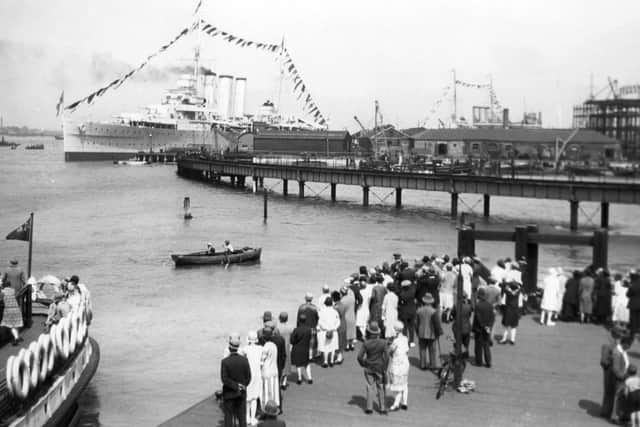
[202,258]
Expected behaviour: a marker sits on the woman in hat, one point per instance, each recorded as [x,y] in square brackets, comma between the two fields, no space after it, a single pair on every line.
[341,309]
[253,353]
[585,289]
[300,341]
[362,315]
[348,300]
[390,311]
[511,317]
[407,308]
[269,370]
[328,324]
[399,367]
[619,301]
[12,316]
[270,417]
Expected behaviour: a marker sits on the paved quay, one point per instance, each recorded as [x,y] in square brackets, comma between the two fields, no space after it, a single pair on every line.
[551,377]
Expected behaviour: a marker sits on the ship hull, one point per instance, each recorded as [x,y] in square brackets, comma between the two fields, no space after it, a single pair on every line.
[107,141]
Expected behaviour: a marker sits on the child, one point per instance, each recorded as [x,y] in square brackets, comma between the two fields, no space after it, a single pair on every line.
[632,394]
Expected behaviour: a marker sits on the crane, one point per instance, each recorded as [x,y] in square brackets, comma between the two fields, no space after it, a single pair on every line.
[364,131]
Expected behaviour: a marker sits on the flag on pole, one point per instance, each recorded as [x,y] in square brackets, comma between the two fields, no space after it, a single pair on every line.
[22,232]
[60,104]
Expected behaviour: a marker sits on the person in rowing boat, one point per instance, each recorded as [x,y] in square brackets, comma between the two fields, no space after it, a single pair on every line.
[210,249]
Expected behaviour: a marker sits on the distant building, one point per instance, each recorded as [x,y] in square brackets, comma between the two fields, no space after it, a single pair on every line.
[387,140]
[296,142]
[522,143]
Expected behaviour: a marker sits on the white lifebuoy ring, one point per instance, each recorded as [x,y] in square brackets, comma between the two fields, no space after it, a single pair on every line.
[9,373]
[82,329]
[33,360]
[62,338]
[20,375]
[43,356]
[53,330]
[73,332]
[51,353]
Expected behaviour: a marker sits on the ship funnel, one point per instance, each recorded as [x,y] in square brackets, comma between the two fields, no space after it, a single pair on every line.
[239,97]
[223,100]
[209,89]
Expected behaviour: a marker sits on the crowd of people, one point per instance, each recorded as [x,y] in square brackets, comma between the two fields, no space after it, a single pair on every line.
[61,297]
[398,305]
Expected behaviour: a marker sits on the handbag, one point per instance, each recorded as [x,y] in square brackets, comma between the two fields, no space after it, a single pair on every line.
[329,335]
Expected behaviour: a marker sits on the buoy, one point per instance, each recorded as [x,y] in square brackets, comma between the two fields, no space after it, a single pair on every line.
[8,375]
[20,375]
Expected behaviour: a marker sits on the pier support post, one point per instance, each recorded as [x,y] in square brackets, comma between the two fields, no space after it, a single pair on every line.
[487,205]
[255,184]
[600,249]
[398,198]
[264,191]
[261,182]
[301,189]
[573,219]
[531,275]
[365,195]
[454,205]
[285,187]
[232,180]
[241,181]
[333,191]
[604,214]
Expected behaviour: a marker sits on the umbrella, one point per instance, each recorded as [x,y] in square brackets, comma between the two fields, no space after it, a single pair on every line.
[50,279]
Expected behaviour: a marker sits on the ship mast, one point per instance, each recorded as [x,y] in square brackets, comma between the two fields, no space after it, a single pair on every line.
[196,61]
[281,74]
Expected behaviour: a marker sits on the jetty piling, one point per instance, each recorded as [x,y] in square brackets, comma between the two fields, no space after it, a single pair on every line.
[265,193]
[600,191]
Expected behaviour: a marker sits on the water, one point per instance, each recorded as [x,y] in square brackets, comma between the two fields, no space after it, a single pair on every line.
[161,330]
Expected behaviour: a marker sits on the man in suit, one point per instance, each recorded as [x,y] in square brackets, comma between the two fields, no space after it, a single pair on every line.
[482,326]
[429,329]
[236,375]
[374,358]
[465,334]
[311,313]
[634,301]
[606,358]
[619,367]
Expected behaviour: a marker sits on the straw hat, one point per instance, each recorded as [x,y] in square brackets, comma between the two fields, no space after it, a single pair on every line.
[398,326]
[428,298]
[252,337]
[373,328]
[234,341]
[271,408]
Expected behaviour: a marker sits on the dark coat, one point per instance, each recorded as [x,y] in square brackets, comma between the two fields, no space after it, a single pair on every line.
[377,295]
[571,294]
[234,370]
[272,422]
[374,355]
[484,317]
[355,288]
[603,293]
[311,311]
[282,350]
[634,294]
[511,310]
[465,311]
[300,341]
[407,302]
[429,326]
[15,276]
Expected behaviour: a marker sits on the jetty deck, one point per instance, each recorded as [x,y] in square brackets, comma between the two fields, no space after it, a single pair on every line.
[551,377]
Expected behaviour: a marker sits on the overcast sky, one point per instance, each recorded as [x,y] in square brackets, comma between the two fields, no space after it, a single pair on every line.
[540,53]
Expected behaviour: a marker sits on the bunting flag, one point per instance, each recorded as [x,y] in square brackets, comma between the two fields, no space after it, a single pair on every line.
[117,82]
[197,9]
[22,232]
[288,67]
[60,104]
[472,85]
[436,104]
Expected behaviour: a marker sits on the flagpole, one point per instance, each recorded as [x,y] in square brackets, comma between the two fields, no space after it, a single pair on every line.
[30,244]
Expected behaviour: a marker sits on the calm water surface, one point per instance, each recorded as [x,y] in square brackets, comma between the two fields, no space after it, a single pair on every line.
[161,330]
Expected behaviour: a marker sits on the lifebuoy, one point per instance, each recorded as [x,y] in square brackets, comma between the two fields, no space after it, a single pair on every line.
[33,359]
[9,373]
[82,328]
[51,353]
[62,338]
[20,375]
[43,356]
[53,331]
[73,332]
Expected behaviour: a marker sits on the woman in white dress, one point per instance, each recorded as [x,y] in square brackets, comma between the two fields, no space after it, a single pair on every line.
[550,295]
[253,353]
[390,311]
[620,301]
[362,315]
[399,368]
[328,324]
[269,370]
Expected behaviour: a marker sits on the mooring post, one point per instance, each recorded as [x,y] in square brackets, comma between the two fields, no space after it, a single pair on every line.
[365,195]
[454,205]
[301,189]
[600,248]
[398,197]
[261,182]
[487,205]
[604,214]
[531,277]
[232,180]
[285,187]
[264,191]
[187,208]
[573,220]
[333,191]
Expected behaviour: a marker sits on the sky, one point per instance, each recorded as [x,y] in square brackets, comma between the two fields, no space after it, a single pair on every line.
[541,55]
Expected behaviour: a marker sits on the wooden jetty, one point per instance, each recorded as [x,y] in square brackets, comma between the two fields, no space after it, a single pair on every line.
[551,377]
[573,191]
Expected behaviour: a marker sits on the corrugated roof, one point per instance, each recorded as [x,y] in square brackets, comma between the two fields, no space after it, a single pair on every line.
[547,136]
[413,131]
[301,134]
